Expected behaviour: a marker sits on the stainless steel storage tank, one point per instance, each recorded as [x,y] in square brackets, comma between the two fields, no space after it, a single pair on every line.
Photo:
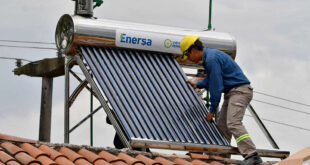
[75,30]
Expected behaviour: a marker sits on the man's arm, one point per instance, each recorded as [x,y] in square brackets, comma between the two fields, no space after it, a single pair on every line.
[215,84]
[203,83]
[199,84]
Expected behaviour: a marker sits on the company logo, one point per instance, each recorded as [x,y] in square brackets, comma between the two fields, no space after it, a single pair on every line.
[135,40]
[168,44]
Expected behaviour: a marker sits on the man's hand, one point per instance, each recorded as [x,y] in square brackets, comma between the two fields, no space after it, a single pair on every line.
[209,116]
[193,83]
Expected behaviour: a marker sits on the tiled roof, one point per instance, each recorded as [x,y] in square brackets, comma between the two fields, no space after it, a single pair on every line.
[15,151]
[297,158]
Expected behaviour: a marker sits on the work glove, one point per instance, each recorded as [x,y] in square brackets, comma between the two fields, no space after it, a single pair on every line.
[193,83]
[209,116]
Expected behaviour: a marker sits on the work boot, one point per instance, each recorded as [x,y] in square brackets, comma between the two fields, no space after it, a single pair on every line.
[252,160]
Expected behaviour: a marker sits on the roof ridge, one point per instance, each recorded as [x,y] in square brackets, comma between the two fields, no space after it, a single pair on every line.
[75,147]
[16,139]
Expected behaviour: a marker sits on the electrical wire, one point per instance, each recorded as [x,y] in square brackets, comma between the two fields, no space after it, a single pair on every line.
[28,42]
[282,99]
[276,105]
[29,47]
[307,113]
[11,58]
[288,125]
[46,48]
[35,42]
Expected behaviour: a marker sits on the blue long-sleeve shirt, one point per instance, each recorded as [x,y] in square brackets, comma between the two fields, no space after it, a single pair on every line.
[223,73]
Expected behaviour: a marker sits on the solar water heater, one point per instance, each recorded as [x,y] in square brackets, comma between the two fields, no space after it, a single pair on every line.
[139,82]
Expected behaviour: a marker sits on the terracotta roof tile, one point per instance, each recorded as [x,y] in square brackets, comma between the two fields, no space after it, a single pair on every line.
[92,157]
[51,152]
[198,156]
[11,148]
[26,153]
[81,162]
[26,159]
[101,162]
[63,161]
[199,162]
[20,154]
[12,163]
[33,151]
[164,161]
[147,161]
[205,157]
[112,158]
[118,163]
[46,160]
[63,154]
[17,139]
[4,157]
[216,163]
[130,160]
[56,156]
[38,154]
[181,161]
[73,156]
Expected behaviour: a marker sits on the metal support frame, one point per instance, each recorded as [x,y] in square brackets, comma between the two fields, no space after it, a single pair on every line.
[85,118]
[69,99]
[80,80]
[262,127]
[68,61]
[91,119]
[141,143]
[103,102]
[76,92]
[210,15]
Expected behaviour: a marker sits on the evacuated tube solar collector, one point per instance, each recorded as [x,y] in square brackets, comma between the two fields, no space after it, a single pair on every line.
[77,30]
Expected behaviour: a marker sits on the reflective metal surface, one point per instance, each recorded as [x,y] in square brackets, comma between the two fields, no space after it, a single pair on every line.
[149,96]
[64,34]
[84,8]
[76,30]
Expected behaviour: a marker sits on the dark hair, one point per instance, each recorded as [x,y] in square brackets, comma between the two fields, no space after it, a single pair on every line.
[197,45]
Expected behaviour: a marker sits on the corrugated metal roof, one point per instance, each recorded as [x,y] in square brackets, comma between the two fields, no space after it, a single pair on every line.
[150,97]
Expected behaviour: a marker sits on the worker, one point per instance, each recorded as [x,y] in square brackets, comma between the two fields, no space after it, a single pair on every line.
[223,75]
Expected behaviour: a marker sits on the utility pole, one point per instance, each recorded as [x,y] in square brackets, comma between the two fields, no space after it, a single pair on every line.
[46,109]
[47,69]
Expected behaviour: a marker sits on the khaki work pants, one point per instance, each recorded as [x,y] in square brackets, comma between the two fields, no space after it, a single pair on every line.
[231,115]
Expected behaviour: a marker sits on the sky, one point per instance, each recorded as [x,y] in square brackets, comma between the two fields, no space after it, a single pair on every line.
[272,49]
